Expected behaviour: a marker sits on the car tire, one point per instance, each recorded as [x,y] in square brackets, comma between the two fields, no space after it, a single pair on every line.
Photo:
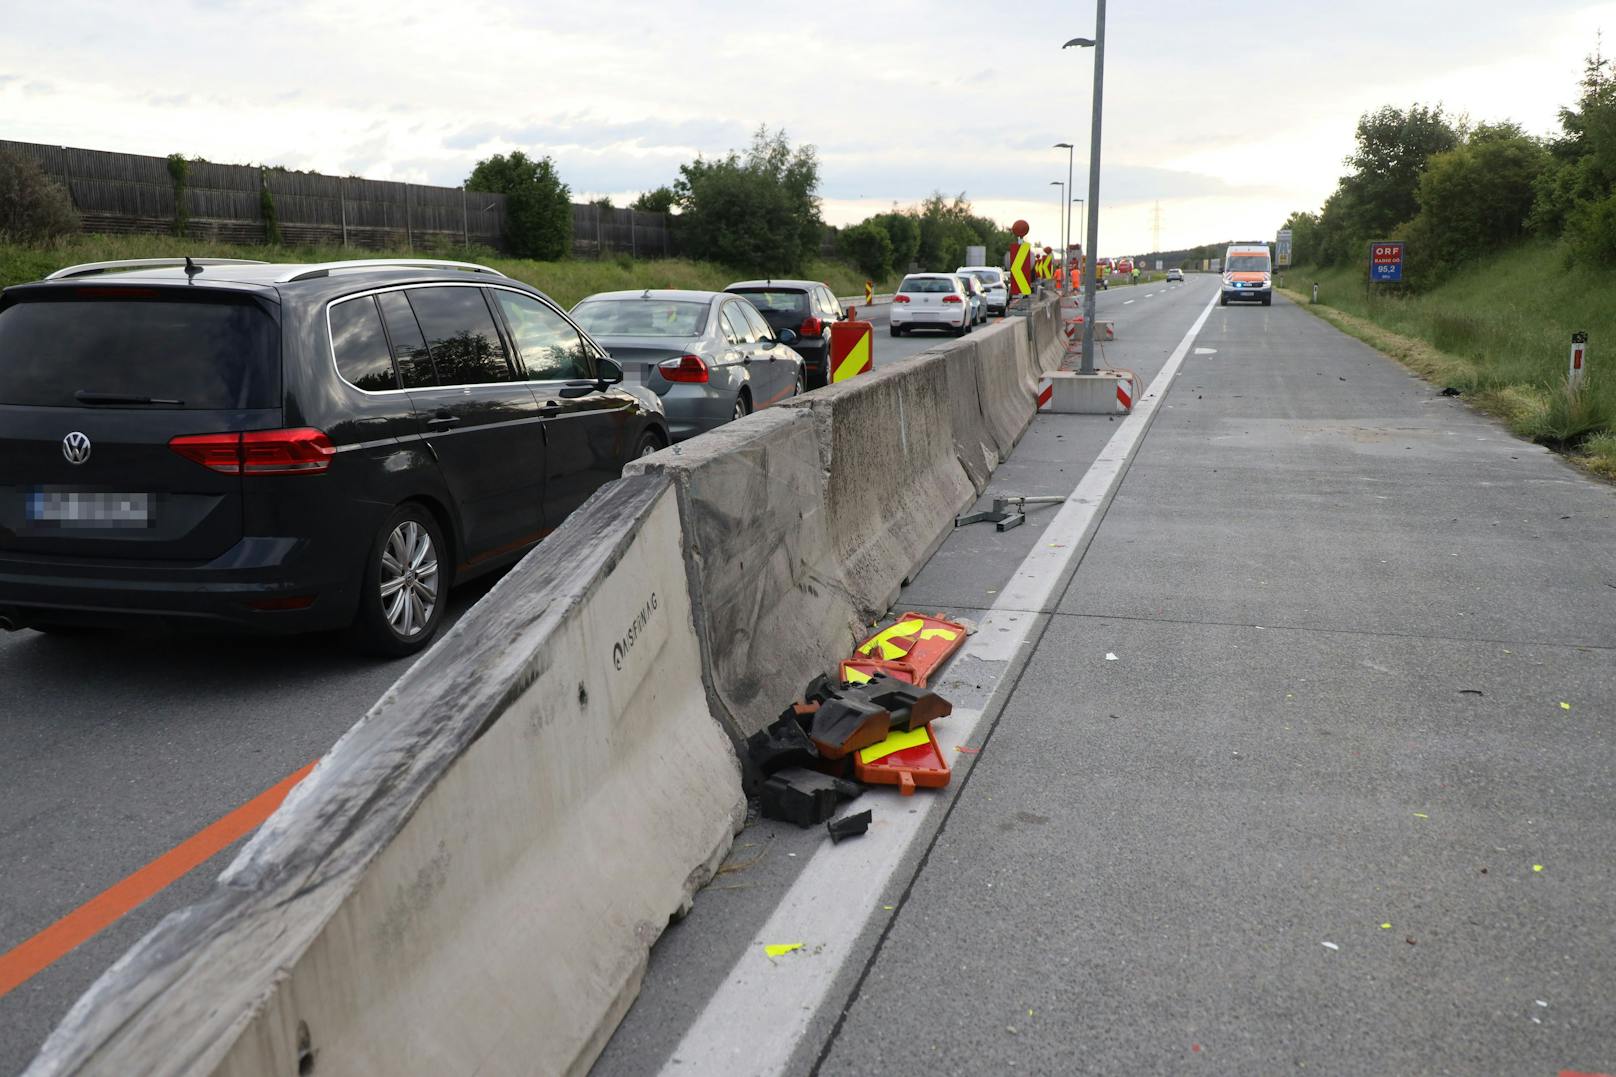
[396,593]
[743,407]
[1267,300]
[895,331]
[649,442]
[802,384]
[1223,300]
[962,329]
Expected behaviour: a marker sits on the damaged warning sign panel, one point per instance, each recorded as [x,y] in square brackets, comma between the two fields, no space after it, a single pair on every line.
[911,649]
[907,759]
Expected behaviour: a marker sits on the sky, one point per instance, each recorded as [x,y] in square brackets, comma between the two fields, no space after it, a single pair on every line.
[1219,118]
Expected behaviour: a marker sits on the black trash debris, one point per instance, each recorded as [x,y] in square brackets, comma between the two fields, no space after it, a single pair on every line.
[849,826]
[805,797]
[1450,391]
[782,743]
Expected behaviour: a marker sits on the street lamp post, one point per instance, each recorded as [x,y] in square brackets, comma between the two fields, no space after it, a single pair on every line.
[1066,240]
[1098,44]
[1062,209]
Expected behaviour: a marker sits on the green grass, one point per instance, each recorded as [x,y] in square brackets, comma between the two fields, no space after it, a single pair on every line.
[566,281]
[1500,332]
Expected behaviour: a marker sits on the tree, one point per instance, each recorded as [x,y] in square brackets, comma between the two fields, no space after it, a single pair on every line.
[1393,147]
[1476,198]
[657,201]
[904,234]
[947,228]
[603,202]
[538,206]
[1304,230]
[33,207]
[868,246]
[758,213]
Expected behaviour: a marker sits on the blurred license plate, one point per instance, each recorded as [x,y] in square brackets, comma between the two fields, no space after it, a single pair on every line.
[77,508]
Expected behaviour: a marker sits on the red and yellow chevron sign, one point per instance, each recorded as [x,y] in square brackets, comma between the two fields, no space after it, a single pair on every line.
[1021,269]
[851,353]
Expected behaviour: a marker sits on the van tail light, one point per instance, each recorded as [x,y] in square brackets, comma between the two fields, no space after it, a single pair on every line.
[811,327]
[301,451]
[952,299]
[691,369]
[900,298]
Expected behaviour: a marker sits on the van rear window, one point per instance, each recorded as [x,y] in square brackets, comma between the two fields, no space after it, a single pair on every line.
[145,353]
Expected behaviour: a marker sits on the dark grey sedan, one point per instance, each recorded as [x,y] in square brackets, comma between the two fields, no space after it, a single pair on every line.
[710,356]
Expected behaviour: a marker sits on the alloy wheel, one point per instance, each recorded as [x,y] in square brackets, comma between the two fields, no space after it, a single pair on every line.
[409,579]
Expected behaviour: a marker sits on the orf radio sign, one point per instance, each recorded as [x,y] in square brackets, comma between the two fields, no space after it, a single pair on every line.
[1386,262]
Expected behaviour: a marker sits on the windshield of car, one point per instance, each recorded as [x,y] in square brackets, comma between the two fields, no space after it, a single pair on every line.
[926,284]
[1247,263]
[989,278]
[214,354]
[775,302]
[637,317]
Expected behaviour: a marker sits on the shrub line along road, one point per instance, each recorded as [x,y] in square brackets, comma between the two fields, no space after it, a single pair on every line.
[1341,799]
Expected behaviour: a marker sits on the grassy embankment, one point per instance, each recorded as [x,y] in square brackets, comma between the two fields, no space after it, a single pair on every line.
[566,282]
[1500,332]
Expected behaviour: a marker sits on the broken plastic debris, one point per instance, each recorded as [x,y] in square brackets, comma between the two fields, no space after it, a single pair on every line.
[848,826]
[1564,705]
[1109,657]
[1540,1002]
[897,741]
[1331,946]
[1386,926]
[1537,867]
[781,949]
[1421,815]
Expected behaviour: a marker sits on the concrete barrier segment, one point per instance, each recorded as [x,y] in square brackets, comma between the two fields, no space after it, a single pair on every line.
[894,479]
[1007,385]
[472,878]
[772,604]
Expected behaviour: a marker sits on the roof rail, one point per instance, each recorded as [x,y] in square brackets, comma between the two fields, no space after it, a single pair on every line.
[89,269]
[324,269]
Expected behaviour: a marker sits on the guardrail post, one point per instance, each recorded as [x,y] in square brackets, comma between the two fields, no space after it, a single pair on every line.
[1315,293]
[1579,350]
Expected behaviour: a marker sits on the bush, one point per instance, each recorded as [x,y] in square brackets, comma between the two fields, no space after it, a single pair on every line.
[758,213]
[33,207]
[538,206]
[1591,232]
[869,248]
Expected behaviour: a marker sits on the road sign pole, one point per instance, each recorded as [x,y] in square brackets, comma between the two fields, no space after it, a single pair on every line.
[1094,192]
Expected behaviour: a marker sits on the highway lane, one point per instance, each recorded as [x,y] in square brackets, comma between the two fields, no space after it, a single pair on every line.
[1310,766]
[119,746]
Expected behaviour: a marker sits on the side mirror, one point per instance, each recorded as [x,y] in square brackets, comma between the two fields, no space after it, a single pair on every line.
[608,371]
[787,337]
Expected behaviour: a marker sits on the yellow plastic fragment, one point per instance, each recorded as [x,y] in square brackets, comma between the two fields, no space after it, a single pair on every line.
[781,949]
[1421,815]
[1564,705]
[896,742]
[1386,926]
[1537,867]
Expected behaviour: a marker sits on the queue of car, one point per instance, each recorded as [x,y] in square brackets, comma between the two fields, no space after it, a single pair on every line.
[277,448]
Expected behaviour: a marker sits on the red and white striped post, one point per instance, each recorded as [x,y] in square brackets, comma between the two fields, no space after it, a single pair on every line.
[1579,353]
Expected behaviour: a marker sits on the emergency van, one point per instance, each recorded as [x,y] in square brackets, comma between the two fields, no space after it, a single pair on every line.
[1248,273]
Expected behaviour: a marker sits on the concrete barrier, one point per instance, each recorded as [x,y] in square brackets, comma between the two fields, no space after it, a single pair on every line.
[772,604]
[472,878]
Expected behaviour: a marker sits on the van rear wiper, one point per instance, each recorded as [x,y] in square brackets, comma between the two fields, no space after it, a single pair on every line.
[85,397]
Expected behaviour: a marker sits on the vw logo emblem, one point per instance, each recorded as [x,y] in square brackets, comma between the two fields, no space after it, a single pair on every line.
[76,447]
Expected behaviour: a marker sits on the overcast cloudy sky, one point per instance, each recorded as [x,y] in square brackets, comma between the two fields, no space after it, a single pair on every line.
[1228,115]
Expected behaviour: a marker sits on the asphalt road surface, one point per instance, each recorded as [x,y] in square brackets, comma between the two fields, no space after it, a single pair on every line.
[1309,768]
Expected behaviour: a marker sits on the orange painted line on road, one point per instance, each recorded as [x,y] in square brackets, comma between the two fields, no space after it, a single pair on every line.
[28,959]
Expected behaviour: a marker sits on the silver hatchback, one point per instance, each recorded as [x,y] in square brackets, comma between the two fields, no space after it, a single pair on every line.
[710,356]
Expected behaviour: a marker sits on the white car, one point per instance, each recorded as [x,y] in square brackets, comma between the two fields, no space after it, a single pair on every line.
[930,301]
[1175,274]
[978,298]
[995,286]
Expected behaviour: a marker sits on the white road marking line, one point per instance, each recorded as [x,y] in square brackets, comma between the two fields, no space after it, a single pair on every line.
[755,1020]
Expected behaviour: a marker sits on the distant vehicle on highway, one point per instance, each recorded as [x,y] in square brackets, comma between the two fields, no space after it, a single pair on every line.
[710,357]
[290,448]
[805,307]
[1175,274]
[977,298]
[930,301]
[995,288]
[1248,273]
